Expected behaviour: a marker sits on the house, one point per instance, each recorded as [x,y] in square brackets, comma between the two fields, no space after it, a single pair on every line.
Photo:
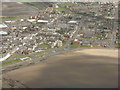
[3,33]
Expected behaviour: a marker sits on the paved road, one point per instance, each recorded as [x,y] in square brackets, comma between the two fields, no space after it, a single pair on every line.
[93,68]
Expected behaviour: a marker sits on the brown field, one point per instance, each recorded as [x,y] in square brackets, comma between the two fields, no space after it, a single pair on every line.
[88,68]
[17,9]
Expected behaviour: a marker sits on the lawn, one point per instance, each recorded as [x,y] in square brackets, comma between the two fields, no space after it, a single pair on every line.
[40,54]
[66,4]
[18,56]
[74,46]
[85,46]
[77,46]
[100,35]
[61,31]
[61,9]
[44,46]
[32,56]
[10,62]
[118,45]
[10,18]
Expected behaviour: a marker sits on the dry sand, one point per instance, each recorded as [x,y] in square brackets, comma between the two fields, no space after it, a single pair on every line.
[88,68]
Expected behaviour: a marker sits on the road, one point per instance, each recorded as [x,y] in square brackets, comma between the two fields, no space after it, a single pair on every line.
[87,68]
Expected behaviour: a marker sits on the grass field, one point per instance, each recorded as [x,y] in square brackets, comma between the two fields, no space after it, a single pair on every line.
[62,9]
[66,4]
[10,62]
[44,46]
[74,46]
[10,18]
[118,45]
[39,54]
[77,46]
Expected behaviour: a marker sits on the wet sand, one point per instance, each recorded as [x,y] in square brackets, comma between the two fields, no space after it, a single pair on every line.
[89,68]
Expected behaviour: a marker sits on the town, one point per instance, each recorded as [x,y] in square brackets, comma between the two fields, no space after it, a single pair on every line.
[59,26]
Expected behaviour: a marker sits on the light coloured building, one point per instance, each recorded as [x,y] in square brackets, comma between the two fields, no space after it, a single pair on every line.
[72,22]
[31,20]
[42,21]
[57,43]
[3,26]
[3,33]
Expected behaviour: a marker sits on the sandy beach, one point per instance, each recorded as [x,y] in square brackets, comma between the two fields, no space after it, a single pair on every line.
[87,68]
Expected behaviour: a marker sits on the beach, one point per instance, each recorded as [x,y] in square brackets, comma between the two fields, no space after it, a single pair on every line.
[87,68]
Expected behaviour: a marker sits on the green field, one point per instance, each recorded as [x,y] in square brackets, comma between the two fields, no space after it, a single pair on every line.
[100,35]
[77,46]
[61,31]
[40,54]
[64,10]
[45,46]
[31,56]
[66,4]
[74,46]
[10,18]
[18,56]
[118,45]
[10,62]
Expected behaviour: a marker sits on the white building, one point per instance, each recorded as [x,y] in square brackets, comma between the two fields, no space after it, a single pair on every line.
[31,20]
[9,21]
[3,33]
[3,26]
[57,43]
[42,21]
[24,28]
[72,22]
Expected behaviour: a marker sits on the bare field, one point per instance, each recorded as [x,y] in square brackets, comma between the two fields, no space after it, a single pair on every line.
[88,68]
[17,9]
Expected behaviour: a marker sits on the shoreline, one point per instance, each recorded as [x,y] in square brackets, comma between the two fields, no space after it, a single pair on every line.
[72,69]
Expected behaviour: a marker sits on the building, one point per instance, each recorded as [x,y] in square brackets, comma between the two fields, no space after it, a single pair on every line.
[57,43]
[3,33]
[72,22]
[31,20]
[25,58]
[49,10]
[3,26]
[42,21]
